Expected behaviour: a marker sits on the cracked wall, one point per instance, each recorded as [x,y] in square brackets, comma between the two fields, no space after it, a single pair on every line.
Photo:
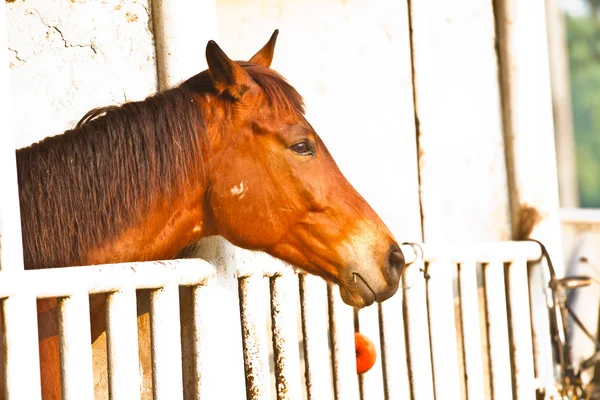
[68,56]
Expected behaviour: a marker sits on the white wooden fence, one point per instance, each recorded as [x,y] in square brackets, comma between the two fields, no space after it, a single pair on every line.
[464,340]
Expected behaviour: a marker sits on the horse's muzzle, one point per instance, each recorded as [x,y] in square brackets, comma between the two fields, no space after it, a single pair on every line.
[364,286]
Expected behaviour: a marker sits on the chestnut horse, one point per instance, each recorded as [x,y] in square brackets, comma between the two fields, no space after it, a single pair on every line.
[227,152]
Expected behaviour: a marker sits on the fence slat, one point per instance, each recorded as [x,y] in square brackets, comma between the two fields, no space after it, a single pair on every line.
[393,348]
[254,337]
[167,378]
[371,383]
[442,330]
[417,328]
[190,343]
[520,331]
[497,323]
[313,306]
[469,307]
[211,371]
[341,324]
[21,348]
[285,336]
[75,347]
[122,345]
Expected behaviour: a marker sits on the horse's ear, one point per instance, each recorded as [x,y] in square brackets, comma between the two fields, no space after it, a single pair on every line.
[264,56]
[227,75]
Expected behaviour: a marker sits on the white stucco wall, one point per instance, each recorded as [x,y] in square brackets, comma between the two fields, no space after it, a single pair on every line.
[67,57]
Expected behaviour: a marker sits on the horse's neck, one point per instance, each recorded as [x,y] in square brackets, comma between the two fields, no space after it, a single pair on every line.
[162,234]
[79,208]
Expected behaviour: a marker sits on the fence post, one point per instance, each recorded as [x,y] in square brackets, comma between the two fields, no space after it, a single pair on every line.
[180,55]
[21,354]
[528,123]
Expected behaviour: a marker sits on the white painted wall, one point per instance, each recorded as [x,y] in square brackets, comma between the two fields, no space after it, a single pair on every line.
[67,57]
[464,188]
[350,60]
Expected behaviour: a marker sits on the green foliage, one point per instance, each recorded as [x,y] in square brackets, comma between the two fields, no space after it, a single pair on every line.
[583,36]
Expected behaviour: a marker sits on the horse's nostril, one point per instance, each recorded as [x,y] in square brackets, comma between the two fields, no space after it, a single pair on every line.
[396,258]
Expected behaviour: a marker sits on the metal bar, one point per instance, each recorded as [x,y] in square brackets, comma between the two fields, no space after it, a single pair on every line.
[540,292]
[520,331]
[167,381]
[21,358]
[497,323]
[285,336]
[122,345]
[417,331]
[442,330]
[469,307]
[371,383]
[64,282]
[75,347]
[254,337]
[393,348]
[313,306]
[341,326]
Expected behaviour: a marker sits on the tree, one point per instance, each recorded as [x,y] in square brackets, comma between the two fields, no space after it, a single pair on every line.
[583,38]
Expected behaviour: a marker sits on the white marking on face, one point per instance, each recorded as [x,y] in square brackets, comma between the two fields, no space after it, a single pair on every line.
[364,246]
[197,229]
[239,190]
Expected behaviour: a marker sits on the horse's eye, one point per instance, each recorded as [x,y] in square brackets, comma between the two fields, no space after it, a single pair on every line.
[302,148]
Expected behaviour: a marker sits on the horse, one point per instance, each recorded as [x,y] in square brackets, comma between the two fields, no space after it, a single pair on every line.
[227,152]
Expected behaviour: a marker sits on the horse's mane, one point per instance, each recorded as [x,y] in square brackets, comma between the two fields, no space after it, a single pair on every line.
[82,187]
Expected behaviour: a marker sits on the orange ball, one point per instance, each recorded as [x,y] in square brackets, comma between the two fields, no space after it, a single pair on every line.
[365,353]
